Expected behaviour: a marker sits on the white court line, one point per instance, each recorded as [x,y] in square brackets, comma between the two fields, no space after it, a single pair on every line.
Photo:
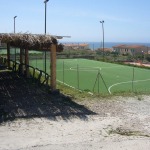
[73,87]
[69,60]
[125,83]
[93,68]
[69,85]
[62,70]
[86,68]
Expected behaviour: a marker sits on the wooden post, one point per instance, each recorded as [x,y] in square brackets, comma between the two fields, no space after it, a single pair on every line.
[53,66]
[21,60]
[27,62]
[8,55]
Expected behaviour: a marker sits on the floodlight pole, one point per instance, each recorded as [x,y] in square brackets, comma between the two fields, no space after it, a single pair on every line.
[103,36]
[15,24]
[45,31]
[142,56]
[14,33]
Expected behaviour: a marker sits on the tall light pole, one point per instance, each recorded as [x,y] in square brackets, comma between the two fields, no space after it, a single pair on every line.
[45,31]
[15,24]
[14,33]
[102,22]
[45,13]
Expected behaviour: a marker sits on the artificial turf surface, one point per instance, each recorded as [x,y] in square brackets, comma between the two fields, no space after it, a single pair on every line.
[99,77]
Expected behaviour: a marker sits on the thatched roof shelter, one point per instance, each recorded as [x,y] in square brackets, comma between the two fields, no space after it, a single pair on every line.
[38,42]
[30,41]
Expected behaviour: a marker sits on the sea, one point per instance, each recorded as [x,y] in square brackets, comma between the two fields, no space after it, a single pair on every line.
[96,45]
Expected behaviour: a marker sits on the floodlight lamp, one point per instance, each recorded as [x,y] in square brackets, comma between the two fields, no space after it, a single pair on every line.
[102,21]
[15,17]
[46,1]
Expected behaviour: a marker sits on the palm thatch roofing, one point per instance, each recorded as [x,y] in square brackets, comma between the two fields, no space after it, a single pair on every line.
[29,41]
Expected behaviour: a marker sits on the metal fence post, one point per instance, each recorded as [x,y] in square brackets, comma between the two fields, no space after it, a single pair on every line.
[133,80]
[63,71]
[78,76]
[98,81]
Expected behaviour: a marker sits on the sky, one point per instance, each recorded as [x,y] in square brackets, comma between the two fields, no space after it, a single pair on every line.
[124,20]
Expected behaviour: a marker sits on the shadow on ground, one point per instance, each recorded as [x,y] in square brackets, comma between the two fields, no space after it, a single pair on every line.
[22,98]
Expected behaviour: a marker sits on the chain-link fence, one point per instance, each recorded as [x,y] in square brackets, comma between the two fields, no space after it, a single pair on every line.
[105,78]
[92,76]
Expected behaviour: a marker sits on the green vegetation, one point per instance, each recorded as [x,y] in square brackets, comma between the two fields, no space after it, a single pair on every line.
[126,132]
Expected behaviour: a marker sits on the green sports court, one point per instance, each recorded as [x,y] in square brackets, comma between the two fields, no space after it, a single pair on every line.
[99,77]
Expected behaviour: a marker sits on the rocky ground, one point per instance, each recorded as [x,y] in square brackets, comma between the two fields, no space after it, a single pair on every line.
[116,123]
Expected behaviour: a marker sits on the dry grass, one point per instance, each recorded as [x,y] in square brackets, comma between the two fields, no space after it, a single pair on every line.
[30,41]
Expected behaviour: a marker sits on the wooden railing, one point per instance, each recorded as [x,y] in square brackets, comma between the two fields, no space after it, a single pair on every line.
[21,69]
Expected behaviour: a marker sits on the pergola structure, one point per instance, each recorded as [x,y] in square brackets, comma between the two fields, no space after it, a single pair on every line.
[36,42]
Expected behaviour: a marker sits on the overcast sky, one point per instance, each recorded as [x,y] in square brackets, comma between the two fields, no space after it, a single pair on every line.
[125,20]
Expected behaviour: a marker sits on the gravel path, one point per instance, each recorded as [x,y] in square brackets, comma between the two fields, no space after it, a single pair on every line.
[120,123]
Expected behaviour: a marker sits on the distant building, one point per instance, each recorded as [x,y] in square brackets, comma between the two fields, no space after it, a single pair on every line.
[105,49]
[131,49]
[81,46]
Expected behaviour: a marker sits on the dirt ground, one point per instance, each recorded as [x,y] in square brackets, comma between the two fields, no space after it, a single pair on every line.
[119,123]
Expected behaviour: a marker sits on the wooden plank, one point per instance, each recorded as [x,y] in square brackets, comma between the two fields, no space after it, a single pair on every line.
[53,66]
[27,62]
[21,60]
[8,55]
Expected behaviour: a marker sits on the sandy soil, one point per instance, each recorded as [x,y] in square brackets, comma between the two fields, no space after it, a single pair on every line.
[120,124]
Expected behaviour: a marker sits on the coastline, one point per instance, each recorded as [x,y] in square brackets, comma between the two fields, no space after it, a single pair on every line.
[95,45]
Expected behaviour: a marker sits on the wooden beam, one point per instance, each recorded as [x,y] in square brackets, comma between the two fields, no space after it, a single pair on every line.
[8,55]
[27,62]
[53,66]
[21,60]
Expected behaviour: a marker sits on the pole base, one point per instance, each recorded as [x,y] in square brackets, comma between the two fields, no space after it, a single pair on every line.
[54,92]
